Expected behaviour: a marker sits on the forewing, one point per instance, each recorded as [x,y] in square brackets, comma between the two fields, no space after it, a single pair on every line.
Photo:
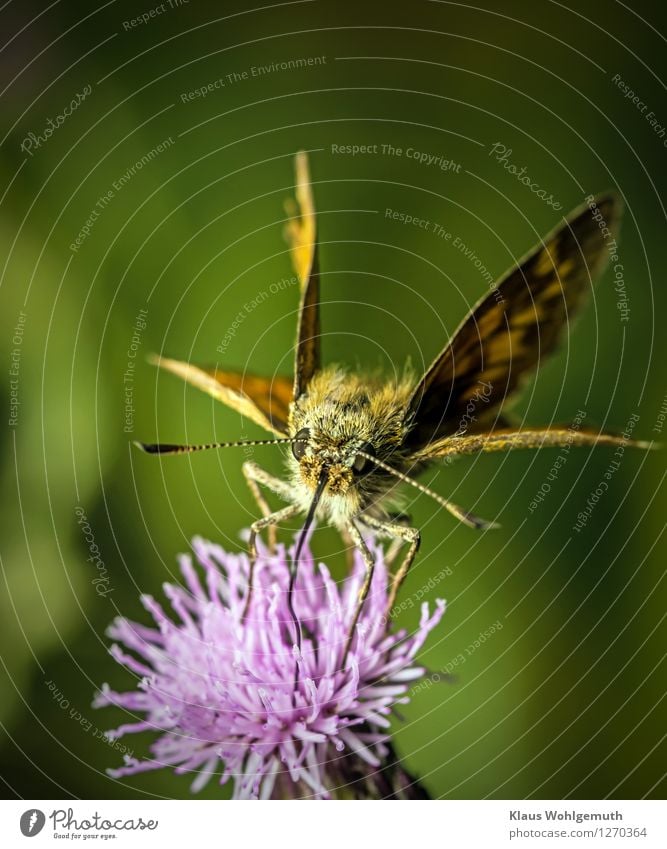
[301,235]
[511,329]
[263,400]
[506,440]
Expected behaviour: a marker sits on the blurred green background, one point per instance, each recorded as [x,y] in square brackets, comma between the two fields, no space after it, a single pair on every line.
[565,699]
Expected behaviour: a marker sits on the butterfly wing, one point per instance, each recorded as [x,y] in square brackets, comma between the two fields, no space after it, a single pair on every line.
[266,401]
[263,400]
[301,235]
[511,329]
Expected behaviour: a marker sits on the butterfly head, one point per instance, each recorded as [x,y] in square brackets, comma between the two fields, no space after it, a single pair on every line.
[340,426]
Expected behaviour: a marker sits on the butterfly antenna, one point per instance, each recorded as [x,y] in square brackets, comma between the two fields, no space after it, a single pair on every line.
[462,515]
[168,448]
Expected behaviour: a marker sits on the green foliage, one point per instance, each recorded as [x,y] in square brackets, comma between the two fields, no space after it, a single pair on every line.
[194,235]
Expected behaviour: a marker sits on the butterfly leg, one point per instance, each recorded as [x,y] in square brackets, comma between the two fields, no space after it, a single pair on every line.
[348,542]
[397,531]
[248,471]
[266,522]
[255,476]
[369,560]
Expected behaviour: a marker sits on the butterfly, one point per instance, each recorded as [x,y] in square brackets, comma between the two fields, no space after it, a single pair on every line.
[355,438]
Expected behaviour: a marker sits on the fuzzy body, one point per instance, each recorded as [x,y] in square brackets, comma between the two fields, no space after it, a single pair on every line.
[344,411]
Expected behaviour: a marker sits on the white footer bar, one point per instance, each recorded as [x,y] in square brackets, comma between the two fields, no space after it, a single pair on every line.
[324,825]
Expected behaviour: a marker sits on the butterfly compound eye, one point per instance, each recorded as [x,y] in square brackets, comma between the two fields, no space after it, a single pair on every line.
[362,464]
[300,443]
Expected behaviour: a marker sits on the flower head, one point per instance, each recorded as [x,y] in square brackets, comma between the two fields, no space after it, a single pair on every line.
[236,695]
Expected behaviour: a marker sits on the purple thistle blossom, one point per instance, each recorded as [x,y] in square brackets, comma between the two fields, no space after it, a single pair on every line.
[220,689]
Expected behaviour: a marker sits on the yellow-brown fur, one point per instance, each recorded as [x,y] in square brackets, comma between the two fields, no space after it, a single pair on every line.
[343,411]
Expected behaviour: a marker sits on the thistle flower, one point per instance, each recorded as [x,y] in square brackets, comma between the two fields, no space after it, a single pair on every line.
[237,697]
